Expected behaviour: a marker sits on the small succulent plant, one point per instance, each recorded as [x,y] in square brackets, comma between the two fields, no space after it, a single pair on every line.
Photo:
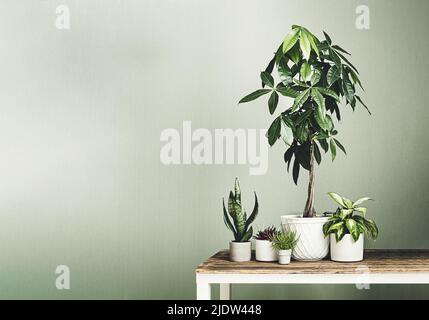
[240,224]
[266,234]
[284,240]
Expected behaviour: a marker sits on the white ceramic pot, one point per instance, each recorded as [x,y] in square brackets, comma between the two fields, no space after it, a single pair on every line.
[240,251]
[347,249]
[264,251]
[312,244]
[284,256]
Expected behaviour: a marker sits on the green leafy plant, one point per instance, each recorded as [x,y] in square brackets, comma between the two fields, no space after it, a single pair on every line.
[318,77]
[284,240]
[266,234]
[344,221]
[240,224]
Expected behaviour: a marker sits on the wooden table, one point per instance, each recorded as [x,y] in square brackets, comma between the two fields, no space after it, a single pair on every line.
[378,266]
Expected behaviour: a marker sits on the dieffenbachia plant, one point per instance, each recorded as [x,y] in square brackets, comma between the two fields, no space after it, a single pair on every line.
[344,221]
[240,224]
[318,77]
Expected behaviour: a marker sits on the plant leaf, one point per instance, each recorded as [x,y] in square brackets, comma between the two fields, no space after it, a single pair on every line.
[295,171]
[290,40]
[227,221]
[315,78]
[353,229]
[361,200]
[327,37]
[301,99]
[286,91]
[254,95]
[285,74]
[337,198]
[274,131]
[267,79]
[361,210]
[305,71]
[328,92]
[360,100]
[340,146]
[254,213]
[317,154]
[304,44]
[247,235]
[333,75]
[273,102]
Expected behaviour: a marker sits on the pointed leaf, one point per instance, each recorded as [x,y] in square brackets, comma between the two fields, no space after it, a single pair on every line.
[337,198]
[327,37]
[315,77]
[254,213]
[273,102]
[305,71]
[290,40]
[333,75]
[300,99]
[340,146]
[361,210]
[284,72]
[295,172]
[304,44]
[287,92]
[328,92]
[361,200]
[254,95]
[317,154]
[360,100]
[274,131]
[267,79]
[226,219]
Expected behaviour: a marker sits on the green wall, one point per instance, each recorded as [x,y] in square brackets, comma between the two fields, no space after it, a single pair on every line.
[82,111]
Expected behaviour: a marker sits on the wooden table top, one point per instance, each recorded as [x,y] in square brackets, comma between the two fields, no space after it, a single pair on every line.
[376,260]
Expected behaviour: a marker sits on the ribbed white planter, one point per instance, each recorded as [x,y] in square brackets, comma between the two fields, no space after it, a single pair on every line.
[312,244]
[347,250]
[240,251]
[264,251]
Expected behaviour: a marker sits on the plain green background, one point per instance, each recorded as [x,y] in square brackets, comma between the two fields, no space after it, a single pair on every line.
[81,112]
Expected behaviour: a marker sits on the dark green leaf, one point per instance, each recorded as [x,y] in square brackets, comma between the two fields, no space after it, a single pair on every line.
[333,75]
[300,99]
[227,221]
[287,91]
[360,100]
[267,79]
[254,213]
[324,145]
[273,102]
[327,37]
[269,68]
[329,92]
[347,61]
[340,146]
[315,78]
[317,154]
[295,172]
[340,49]
[284,72]
[254,95]
[274,131]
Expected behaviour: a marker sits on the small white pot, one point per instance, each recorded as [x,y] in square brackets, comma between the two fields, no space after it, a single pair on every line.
[347,250]
[240,251]
[312,244]
[284,256]
[264,251]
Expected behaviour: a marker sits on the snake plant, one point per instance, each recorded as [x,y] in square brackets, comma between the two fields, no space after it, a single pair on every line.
[344,221]
[239,223]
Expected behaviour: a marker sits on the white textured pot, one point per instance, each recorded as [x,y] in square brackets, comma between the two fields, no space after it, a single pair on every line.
[240,251]
[284,256]
[312,244]
[264,251]
[347,249]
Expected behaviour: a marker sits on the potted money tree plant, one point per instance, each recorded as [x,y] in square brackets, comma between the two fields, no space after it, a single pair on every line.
[319,78]
[239,224]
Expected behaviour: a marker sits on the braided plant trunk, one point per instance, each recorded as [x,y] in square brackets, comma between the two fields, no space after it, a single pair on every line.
[309,211]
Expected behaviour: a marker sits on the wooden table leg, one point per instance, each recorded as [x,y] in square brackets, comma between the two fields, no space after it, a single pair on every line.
[225,291]
[203,291]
